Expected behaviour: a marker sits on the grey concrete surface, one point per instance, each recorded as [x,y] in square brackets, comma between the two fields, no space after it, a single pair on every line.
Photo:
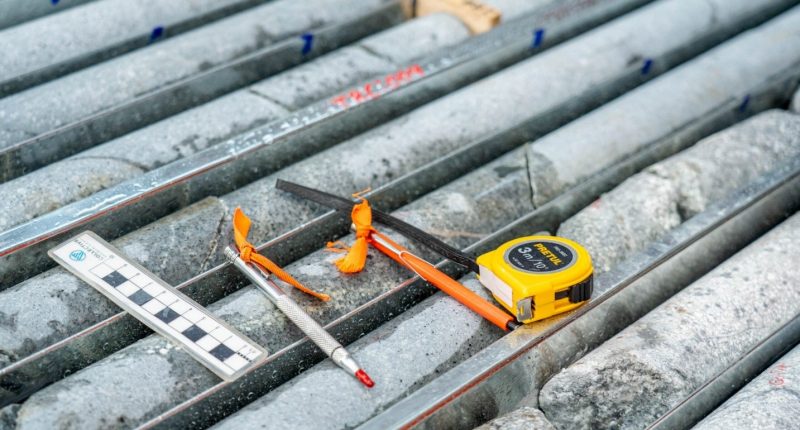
[189,132]
[15,12]
[525,418]
[82,36]
[771,401]
[676,100]
[83,93]
[458,213]
[681,186]
[653,364]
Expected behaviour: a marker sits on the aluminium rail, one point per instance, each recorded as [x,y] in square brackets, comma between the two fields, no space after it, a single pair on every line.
[478,388]
[226,166]
[21,378]
[223,399]
[187,92]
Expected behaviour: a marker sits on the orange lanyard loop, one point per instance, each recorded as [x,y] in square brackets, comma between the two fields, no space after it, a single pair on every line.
[241,226]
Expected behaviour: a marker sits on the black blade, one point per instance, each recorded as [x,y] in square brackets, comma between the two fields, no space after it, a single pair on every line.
[400,226]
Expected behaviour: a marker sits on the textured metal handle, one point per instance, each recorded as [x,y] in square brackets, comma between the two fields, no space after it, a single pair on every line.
[308,325]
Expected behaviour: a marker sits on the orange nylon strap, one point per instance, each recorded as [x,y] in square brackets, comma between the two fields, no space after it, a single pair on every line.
[241,226]
[357,254]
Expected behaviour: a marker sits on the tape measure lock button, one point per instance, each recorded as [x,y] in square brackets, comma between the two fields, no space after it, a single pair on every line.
[536,277]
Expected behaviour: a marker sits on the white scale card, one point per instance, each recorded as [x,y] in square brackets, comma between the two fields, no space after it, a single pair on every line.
[166,310]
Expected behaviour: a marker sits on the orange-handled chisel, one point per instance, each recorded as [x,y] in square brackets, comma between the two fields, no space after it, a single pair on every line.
[424,269]
[440,280]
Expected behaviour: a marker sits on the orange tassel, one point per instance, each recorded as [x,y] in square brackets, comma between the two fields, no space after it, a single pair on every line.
[356,256]
[241,226]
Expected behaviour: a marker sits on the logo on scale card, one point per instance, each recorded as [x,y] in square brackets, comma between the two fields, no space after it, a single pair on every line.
[77,255]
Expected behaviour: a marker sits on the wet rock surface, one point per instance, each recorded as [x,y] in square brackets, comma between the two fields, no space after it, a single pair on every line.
[192,131]
[526,418]
[62,101]
[637,375]
[651,113]
[43,43]
[681,186]
[456,212]
[771,401]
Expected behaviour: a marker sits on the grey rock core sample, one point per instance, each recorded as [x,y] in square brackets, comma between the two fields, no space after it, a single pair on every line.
[681,186]
[640,373]
[370,159]
[115,24]
[796,102]
[525,418]
[645,115]
[196,129]
[771,401]
[83,93]
[458,212]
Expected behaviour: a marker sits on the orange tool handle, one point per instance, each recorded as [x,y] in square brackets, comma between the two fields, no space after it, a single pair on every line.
[443,282]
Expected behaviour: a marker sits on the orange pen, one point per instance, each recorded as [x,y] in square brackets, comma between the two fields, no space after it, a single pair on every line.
[440,280]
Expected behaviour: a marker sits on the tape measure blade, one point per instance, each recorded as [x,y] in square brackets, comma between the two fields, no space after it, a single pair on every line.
[170,313]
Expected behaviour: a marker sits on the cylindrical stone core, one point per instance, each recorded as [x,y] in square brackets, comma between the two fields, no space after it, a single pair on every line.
[79,95]
[15,12]
[107,28]
[200,229]
[771,401]
[525,418]
[459,213]
[679,187]
[677,100]
[637,375]
[192,131]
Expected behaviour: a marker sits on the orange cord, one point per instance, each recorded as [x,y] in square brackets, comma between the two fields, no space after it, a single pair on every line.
[241,226]
[356,258]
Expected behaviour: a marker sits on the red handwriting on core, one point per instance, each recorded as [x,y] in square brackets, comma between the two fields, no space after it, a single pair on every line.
[377,87]
[777,372]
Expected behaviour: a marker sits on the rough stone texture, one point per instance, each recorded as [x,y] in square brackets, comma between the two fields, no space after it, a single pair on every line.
[401,356]
[796,102]
[7,417]
[770,402]
[656,362]
[78,95]
[526,418]
[681,186]
[189,132]
[14,12]
[529,89]
[56,304]
[650,113]
[104,25]
[458,213]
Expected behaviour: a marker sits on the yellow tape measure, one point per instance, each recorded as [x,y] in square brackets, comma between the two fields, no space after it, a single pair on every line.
[536,277]
[533,277]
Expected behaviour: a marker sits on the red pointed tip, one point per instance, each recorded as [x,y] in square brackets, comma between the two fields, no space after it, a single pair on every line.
[364,378]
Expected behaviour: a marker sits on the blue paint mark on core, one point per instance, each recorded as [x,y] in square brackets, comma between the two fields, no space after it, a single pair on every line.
[308,40]
[538,38]
[745,102]
[55,2]
[156,33]
[646,66]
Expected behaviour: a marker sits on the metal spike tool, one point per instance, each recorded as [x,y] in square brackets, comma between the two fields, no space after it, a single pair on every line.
[170,313]
[330,346]
[533,277]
